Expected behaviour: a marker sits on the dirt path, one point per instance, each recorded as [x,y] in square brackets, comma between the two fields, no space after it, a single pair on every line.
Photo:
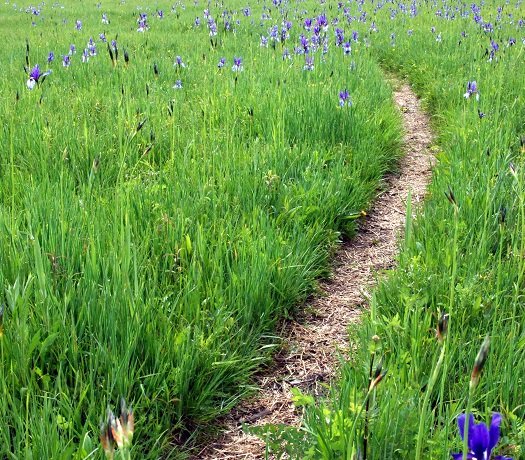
[309,356]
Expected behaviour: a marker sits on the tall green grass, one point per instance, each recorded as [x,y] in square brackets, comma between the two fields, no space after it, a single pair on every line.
[151,237]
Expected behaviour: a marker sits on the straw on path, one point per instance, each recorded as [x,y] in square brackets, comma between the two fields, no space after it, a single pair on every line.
[313,341]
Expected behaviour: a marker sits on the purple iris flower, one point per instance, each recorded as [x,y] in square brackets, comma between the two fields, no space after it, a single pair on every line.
[212,27]
[102,37]
[237,65]
[481,440]
[178,85]
[322,22]
[471,89]
[51,57]
[309,63]
[105,19]
[179,62]
[35,75]
[264,42]
[66,60]
[344,98]
[143,26]
[304,44]
[85,55]
[308,24]
[339,36]
[72,49]
[78,25]
[221,63]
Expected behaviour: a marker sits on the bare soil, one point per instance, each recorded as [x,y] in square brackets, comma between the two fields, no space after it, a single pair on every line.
[314,342]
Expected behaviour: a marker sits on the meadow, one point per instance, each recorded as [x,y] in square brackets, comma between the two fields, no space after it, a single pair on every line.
[171,188]
[175,185]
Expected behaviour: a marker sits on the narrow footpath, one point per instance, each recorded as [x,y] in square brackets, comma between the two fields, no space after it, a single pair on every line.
[311,343]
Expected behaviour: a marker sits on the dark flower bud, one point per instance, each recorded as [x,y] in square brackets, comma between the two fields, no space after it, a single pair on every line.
[481,358]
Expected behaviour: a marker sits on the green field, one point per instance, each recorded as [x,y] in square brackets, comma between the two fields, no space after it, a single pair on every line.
[161,212]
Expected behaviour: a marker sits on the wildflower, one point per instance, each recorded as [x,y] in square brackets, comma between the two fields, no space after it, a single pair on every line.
[85,55]
[481,440]
[307,24]
[117,431]
[102,37]
[480,114]
[35,75]
[179,63]
[178,85]
[78,25]
[409,31]
[347,48]
[237,65]
[105,19]
[309,63]
[72,49]
[221,63]
[143,26]
[304,44]
[344,98]
[471,89]
[51,57]
[264,42]
[66,60]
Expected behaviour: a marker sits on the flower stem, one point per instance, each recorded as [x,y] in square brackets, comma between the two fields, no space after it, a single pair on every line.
[430,386]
